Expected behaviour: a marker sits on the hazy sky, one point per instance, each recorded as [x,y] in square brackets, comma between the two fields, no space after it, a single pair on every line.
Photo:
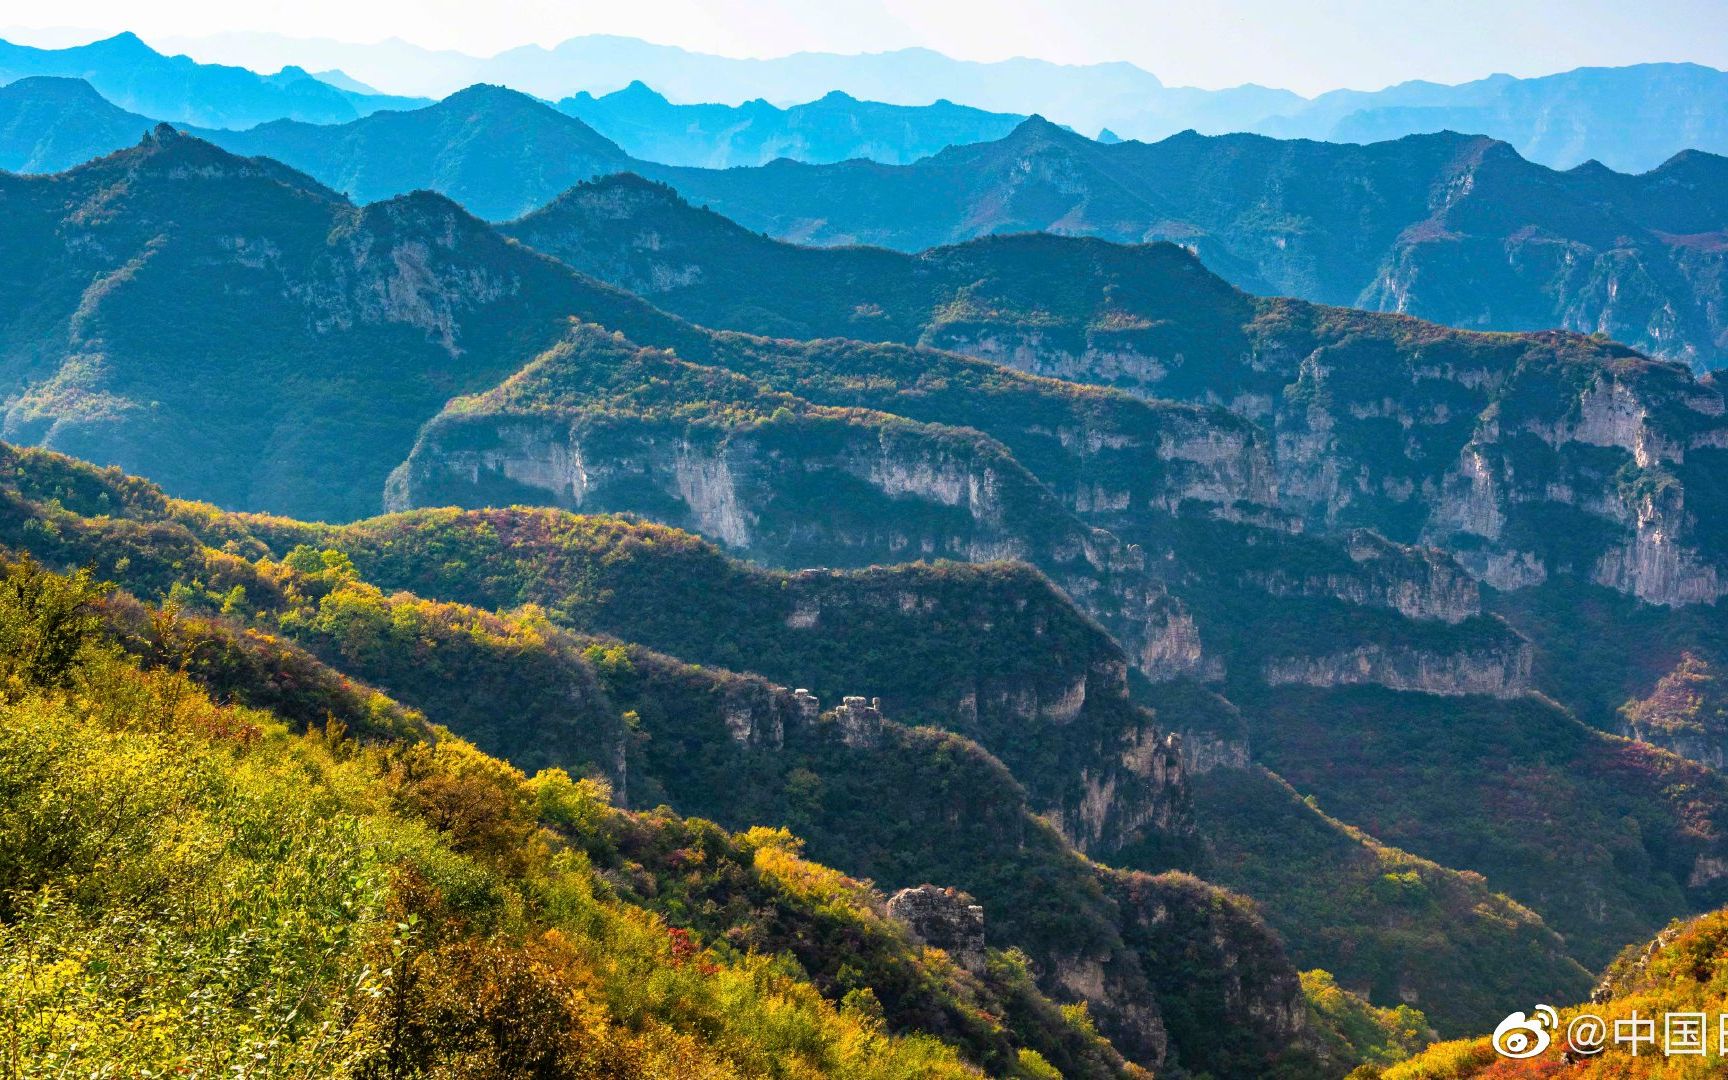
[1305,45]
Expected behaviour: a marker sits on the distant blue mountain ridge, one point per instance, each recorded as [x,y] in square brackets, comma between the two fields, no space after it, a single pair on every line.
[136,77]
[1450,227]
[1629,118]
[892,107]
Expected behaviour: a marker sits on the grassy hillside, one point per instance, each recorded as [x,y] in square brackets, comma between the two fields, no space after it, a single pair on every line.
[989,652]
[1603,836]
[729,746]
[190,885]
[1683,970]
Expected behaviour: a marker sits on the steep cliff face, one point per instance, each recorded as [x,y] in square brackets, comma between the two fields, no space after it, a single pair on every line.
[1521,457]
[1499,670]
[1418,583]
[1507,451]
[1622,277]
[1235,966]
[1615,460]
[779,479]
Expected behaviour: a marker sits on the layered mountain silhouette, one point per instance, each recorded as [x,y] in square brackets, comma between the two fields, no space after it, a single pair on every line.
[835,127]
[1628,118]
[1454,228]
[1631,118]
[50,123]
[497,152]
[138,78]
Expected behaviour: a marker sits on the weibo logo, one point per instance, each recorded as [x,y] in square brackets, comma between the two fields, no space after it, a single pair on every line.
[1519,1036]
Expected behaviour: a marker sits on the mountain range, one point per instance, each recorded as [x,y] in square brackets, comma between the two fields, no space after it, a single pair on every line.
[1630,118]
[136,77]
[489,602]
[835,127]
[1349,566]
[1452,228]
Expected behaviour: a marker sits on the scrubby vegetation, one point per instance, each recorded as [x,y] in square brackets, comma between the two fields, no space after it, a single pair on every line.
[1684,969]
[1404,929]
[1556,814]
[537,602]
[195,887]
[266,614]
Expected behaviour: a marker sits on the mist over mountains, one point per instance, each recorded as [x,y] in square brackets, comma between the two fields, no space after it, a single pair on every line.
[1630,118]
[136,77]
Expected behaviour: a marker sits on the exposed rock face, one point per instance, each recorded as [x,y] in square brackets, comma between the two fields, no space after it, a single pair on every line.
[1113,803]
[1499,670]
[1117,991]
[1174,648]
[755,721]
[1655,564]
[1204,751]
[1707,871]
[1418,583]
[943,919]
[770,490]
[1522,461]
[860,722]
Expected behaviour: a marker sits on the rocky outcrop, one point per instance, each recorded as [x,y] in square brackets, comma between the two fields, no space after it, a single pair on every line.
[1418,583]
[1143,791]
[860,722]
[943,919]
[1654,563]
[1500,670]
[759,721]
[1203,751]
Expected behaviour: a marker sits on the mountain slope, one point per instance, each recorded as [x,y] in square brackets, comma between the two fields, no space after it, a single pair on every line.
[596,424]
[138,78]
[319,313]
[1133,946]
[497,152]
[1679,972]
[49,124]
[1472,442]
[412,902]
[1419,222]
[1174,525]
[943,654]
